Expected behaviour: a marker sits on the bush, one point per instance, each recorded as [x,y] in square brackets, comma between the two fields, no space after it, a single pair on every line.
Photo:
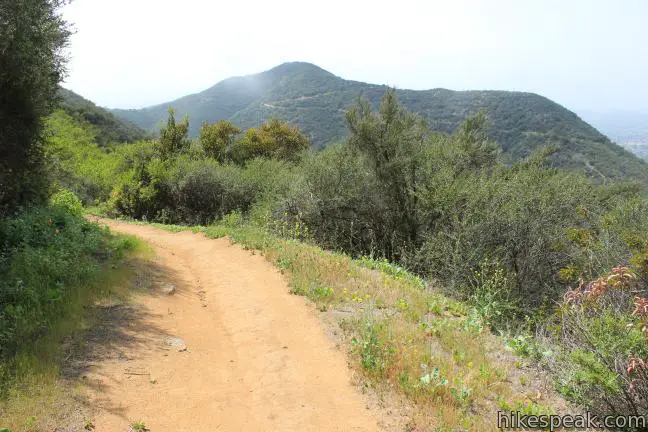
[274,139]
[46,256]
[338,200]
[68,201]
[492,300]
[518,216]
[195,191]
[201,192]
[601,333]
[141,192]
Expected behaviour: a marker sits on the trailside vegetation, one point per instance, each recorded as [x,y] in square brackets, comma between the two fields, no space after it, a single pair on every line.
[50,256]
[32,38]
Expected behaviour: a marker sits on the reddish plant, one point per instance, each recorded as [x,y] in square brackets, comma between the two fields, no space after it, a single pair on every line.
[620,278]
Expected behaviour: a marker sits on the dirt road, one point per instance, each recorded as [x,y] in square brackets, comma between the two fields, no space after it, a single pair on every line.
[230,350]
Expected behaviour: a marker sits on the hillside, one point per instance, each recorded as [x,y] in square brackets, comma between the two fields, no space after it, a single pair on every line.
[315,100]
[107,127]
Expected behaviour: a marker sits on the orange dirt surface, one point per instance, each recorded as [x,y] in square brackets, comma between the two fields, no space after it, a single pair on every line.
[230,350]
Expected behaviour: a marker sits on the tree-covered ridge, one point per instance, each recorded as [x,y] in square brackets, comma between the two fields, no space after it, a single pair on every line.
[307,96]
[107,127]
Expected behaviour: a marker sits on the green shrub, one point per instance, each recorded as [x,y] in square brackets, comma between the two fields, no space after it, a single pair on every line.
[372,350]
[46,256]
[492,300]
[68,201]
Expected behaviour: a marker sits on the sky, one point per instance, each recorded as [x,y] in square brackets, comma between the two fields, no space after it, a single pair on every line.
[588,55]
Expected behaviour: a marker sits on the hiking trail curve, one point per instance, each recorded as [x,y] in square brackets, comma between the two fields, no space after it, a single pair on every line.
[219,344]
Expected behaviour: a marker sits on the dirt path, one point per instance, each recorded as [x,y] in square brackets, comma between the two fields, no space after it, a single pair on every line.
[256,358]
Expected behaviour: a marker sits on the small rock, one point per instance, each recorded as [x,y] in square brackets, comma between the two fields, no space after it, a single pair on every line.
[153,380]
[176,342]
[168,288]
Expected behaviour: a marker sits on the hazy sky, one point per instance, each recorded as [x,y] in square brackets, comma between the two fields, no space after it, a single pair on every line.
[584,54]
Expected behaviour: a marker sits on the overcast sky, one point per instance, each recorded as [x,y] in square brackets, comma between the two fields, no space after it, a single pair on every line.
[584,54]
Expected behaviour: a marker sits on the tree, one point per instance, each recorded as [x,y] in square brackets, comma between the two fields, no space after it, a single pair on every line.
[273,139]
[477,151]
[32,63]
[173,137]
[284,141]
[218,138]
[392,140]
[249,146]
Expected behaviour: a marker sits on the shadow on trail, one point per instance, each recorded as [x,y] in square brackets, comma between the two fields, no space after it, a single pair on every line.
[117,328]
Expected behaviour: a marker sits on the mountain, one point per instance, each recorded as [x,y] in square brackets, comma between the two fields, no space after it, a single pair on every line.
[107,127]
[316,100]
[627,128]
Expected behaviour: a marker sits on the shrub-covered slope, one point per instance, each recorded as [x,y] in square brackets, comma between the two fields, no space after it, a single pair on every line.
[107,127]
[316,100]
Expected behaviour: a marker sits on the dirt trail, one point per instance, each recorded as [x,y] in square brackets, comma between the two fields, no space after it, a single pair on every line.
[257,358]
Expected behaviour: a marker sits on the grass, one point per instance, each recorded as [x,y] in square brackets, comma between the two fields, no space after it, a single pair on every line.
[401,333]
[139,426]
[36,395]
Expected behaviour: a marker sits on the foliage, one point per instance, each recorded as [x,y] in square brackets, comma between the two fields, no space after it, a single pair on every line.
[47,255]
[191,191]
[32,37]
[443,204]
[141,193]
[217,139]
[173,137]
[68,201]
[76,162]
[516,215]
[392,142]
[273,139]
[492,300]
[601,330]
[373,356]
[139,426]
[251,145]
[285,142]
